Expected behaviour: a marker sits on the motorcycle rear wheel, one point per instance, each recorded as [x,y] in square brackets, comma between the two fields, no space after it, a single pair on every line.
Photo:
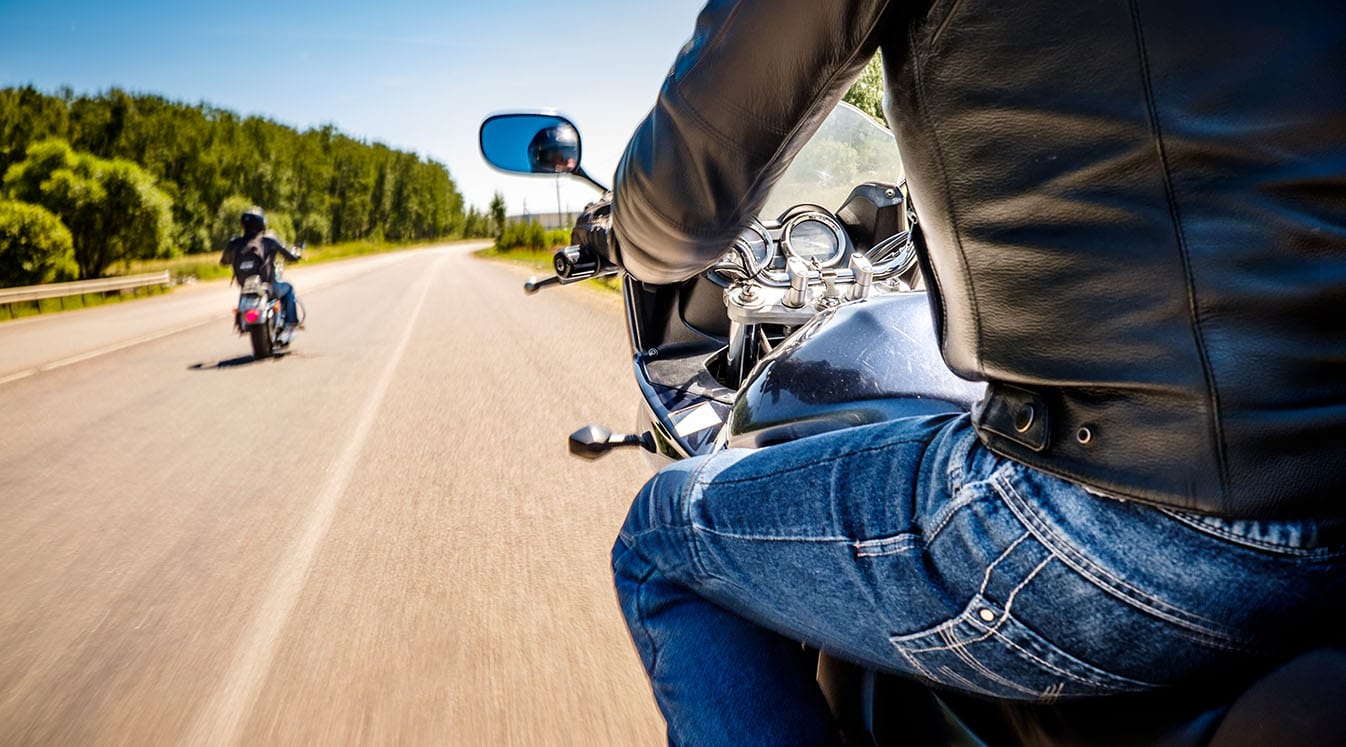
[261,341]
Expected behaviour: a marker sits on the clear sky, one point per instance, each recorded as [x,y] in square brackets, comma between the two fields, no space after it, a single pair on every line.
[418,76]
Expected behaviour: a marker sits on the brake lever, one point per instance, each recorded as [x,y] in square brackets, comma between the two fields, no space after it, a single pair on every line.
[534,285]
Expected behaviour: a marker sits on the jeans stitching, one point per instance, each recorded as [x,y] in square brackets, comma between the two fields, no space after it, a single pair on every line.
[1240,539]
[886,546]
[986,577]
[1009,603]
[1088,679]
[1108,582]
[916,665]
[820,461]
[771,538]
[960,679]
[957,471]
[947,513]
[960,650]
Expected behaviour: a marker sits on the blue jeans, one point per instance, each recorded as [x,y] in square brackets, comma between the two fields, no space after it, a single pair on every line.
[910,548]
[285,292]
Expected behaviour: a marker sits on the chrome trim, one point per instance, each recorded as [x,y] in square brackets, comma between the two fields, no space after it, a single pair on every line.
[831,223]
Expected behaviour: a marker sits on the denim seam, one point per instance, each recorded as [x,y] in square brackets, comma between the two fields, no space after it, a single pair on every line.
[960,650]
[957,471]
[943,629]
[956,677]
[986,577]
[813,464]
[1113,681]
[874,548]
[947,513]
[1106,581]
[1315,553]
[769,538]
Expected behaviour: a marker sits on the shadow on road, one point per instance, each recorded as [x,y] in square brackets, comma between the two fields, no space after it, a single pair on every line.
[246,360]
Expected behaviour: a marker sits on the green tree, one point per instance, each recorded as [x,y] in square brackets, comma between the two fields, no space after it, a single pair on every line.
[35,247]
[113,209]
[331,186]
[866,93]
[497,210]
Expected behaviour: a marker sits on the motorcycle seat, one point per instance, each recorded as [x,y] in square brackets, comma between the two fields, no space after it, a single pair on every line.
[1299,703]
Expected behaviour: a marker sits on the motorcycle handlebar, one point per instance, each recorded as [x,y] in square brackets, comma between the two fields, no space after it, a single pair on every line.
[573,264]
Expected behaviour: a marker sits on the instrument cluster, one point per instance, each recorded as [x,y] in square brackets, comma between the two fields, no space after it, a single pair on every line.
[806,232]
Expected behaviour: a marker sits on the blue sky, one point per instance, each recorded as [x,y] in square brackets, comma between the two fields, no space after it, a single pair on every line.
[416,75]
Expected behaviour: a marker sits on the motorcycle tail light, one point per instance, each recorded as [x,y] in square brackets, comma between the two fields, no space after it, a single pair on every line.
[251,316]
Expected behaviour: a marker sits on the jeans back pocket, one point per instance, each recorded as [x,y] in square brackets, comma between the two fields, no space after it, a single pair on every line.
[986,651]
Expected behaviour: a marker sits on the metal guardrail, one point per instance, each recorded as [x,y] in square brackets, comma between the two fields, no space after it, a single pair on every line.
[100,285]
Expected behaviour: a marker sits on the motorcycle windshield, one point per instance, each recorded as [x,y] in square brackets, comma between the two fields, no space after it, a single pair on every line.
[849,148]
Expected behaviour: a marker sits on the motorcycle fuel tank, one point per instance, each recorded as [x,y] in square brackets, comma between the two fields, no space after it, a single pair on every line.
[860,363]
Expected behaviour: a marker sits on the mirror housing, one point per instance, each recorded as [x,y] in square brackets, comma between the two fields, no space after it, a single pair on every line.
[531,143]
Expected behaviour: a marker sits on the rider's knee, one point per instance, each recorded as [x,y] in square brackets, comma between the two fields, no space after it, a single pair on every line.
[662,502]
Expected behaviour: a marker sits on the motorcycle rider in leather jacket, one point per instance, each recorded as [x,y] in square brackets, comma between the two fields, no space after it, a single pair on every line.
[1132,226]
[263,245]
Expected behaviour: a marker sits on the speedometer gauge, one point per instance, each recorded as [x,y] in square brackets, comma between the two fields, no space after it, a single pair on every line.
[758,245]
[814,237]
[750,253]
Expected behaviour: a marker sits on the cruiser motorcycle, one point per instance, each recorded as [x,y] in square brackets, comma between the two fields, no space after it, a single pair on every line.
[259,313]
[815,319]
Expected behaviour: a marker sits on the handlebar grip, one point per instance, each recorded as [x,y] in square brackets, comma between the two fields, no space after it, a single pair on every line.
[576,262]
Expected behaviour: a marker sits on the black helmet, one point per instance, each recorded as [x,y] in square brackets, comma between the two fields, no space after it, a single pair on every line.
[555,150]
[254,220]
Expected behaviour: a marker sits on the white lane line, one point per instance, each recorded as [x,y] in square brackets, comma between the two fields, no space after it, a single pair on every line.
[122,346]
[222,718]
[101,352]
[17,376]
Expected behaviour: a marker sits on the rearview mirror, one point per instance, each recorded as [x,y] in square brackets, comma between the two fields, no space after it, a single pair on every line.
[531,144]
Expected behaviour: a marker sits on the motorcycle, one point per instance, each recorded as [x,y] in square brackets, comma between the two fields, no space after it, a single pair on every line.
[816,319]
[259,313]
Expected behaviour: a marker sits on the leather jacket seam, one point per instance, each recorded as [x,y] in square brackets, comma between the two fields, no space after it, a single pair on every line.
[818,94]
[944,22]
[1175,213]
[919,78]
[711,44]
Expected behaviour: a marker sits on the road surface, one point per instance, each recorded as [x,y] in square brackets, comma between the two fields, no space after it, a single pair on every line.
[377,538]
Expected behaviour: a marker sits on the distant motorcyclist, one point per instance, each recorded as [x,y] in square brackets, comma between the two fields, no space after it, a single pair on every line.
[254,253]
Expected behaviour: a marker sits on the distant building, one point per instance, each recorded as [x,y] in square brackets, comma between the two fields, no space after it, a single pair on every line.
[547,220]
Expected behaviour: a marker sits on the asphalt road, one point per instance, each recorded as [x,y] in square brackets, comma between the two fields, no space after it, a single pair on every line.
[377,538]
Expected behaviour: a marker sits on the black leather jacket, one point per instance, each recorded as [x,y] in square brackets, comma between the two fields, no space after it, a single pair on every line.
[1134,216]
[255,254]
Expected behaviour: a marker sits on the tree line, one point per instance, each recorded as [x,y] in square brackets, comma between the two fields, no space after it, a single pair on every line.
[89,181]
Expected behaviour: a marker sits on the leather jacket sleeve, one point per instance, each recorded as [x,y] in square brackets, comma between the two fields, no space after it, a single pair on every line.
[274,246]
[746,92]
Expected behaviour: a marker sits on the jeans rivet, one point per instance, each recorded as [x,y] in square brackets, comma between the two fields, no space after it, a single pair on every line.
[1023,418]
[986,615]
